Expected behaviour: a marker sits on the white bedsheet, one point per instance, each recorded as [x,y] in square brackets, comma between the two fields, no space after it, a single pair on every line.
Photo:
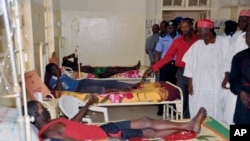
[9,130]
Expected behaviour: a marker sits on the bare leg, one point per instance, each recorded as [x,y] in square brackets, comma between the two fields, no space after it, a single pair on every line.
[151,133]
[87,69]
[109,71]
[171,126]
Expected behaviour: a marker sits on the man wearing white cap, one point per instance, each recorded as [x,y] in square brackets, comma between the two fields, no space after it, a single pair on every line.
[238,44]
[205,67]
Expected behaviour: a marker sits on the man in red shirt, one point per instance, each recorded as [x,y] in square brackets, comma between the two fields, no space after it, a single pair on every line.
[178,49]
[73,130]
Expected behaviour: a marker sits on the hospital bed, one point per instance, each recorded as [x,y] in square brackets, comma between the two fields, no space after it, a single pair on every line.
[13,125]
[167,94]
[132,76]
[211,129]
[9,130]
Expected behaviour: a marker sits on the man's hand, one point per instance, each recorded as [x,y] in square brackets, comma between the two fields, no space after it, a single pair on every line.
[78,117]
[147,72]
[138,85]
[245,99]
[190,89]
[190,86]
[225,81]
[93,99]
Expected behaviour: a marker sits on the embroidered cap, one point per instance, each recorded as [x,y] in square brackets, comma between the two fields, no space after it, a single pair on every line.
[245,12]
[205,23]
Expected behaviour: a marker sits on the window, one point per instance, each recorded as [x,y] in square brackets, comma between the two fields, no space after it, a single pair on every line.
[197,3]
[172,2]
[167,2]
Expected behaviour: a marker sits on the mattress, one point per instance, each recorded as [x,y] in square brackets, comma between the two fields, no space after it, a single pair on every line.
[148,92]
[9,130]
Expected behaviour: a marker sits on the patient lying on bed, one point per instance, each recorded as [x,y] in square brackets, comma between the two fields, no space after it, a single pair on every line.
[54,80]
[99,72]
[73,130]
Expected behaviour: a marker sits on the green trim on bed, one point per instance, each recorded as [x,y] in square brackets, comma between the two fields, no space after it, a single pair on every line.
[218,127]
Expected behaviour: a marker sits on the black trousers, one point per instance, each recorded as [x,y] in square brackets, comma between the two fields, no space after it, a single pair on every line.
[167,73]
[182,82]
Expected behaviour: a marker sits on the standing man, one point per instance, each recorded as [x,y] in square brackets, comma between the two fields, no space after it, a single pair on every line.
[151,43]
[240,83]
[178,27]
[178,49]
[238,44]
[205,66]
[168,35]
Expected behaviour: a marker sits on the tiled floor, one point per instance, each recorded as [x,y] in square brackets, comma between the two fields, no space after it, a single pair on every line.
[127,113]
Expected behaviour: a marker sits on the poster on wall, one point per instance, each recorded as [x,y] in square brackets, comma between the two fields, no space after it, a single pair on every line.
[150,23]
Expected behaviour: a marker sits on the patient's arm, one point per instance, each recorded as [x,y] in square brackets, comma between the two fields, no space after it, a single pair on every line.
[56,131]
[58,86]
[78,117]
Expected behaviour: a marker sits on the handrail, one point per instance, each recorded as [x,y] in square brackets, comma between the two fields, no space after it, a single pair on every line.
[43,57]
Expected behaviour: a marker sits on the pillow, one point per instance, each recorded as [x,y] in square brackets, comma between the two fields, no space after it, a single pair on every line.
[173,93]
[34,133]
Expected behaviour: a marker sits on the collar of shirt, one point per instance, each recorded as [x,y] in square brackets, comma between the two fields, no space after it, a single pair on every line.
[176,35]
[163,34]
[193,37]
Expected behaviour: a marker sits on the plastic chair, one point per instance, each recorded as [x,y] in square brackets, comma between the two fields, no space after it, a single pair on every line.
[51,105]
[69,105]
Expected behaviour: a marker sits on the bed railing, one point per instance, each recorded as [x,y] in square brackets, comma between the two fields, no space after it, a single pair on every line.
[61,47]
[12,23]
[43,57]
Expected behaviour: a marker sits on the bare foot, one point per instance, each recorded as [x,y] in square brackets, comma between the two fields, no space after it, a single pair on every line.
[198,119]
[138,65]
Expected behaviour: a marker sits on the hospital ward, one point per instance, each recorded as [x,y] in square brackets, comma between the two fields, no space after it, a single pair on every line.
[124,70]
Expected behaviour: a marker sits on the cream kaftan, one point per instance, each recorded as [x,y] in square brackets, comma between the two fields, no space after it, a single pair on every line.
[205,64]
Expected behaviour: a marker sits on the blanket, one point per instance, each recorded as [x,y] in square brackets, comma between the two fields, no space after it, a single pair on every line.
[148,92]
[127,74]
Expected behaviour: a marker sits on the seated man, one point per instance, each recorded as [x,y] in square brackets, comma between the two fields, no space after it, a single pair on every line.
[74,130]
[54,80]
[99,72]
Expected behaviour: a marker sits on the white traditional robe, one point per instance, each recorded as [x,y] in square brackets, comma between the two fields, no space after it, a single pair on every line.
[205,64]
[236,35]
[238,43]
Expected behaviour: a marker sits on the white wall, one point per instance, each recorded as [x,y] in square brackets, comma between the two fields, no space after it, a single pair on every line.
[112,32]
[153,15]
